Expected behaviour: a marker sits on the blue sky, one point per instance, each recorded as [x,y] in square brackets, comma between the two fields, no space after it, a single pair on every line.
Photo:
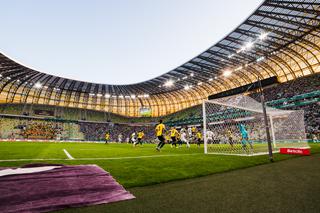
[114,41]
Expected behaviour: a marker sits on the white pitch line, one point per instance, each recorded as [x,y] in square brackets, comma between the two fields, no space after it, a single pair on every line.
[68,155]
[112,158]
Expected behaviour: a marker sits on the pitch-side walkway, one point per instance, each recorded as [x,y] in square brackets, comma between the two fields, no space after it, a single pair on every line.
[287,186]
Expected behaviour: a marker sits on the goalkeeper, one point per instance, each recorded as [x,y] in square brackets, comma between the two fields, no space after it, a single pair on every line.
[245,137]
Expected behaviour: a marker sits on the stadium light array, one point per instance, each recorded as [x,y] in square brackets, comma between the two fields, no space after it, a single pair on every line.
[38,85]
[227,73]
[169,83]
[133,96]
[107,95]
[146,95]
[99,95]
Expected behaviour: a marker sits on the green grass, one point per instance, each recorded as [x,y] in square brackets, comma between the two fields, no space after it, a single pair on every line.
[168,165]
[286,186]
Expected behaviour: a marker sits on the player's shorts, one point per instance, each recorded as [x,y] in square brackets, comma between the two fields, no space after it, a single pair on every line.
[199,141]
[139,140]
[161,138]
[173,139]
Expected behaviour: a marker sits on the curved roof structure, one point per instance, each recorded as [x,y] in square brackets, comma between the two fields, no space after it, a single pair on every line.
[281,38]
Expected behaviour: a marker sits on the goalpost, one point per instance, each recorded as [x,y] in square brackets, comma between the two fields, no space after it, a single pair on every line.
[235,126]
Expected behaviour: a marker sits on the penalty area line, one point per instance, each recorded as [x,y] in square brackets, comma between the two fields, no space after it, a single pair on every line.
[68,154]
[111,158]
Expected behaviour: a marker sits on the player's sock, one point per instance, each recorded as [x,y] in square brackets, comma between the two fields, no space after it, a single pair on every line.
[162,144]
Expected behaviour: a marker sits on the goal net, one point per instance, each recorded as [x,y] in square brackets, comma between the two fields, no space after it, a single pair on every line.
[235,125]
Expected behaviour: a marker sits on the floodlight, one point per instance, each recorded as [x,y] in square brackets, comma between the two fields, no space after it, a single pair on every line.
[260,59]
[169,83]
[227,73]
[249,45]
[263,36]
[38,85]
[187,87]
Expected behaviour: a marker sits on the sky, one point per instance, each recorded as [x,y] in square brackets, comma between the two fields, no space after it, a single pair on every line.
[114,41]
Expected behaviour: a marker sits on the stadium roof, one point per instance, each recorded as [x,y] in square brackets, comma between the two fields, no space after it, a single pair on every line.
[271,33]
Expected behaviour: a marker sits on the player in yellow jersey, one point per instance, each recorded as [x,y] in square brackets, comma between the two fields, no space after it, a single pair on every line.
[173,135]
[140,136]
[230,137]
[107,137]
[199,138]
[194,130]
[160,129]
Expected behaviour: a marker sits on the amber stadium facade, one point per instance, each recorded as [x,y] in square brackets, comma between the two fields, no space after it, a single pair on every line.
[280,39]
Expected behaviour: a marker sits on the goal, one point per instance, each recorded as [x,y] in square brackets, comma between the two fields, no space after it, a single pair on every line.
[235,126]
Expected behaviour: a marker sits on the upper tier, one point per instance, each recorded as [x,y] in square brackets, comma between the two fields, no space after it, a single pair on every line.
[281,38]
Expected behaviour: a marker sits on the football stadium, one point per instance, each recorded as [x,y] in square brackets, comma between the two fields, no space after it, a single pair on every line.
[234,129]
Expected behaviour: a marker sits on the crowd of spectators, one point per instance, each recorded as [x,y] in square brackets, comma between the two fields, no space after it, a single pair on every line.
[41,130]
[27,128]
[291,88]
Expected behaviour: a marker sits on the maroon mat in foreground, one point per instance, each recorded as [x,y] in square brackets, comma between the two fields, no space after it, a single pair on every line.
[43,188]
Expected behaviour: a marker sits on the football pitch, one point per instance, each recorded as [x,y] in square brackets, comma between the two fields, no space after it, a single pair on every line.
[132,166]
